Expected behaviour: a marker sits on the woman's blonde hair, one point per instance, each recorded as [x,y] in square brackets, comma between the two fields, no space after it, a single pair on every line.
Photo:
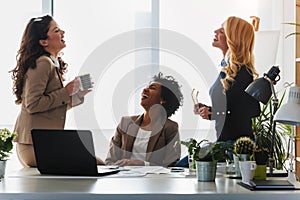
[240,41]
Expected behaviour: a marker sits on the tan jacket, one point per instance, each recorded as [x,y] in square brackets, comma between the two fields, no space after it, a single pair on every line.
[160,149]
[44,100]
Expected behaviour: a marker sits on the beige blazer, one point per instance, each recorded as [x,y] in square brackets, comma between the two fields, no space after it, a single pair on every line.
[161,149]
[44,100]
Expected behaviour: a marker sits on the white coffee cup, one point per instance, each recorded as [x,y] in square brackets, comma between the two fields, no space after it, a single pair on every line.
[247,170]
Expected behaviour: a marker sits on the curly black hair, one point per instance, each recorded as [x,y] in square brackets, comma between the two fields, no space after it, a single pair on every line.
[170,92]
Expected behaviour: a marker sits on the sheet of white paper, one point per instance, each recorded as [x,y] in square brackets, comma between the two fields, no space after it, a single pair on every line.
[148,169]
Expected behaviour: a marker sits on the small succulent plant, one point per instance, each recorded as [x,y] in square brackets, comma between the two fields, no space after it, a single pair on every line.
[244,145]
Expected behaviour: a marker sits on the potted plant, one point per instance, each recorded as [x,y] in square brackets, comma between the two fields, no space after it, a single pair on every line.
[261,155]
[206,154]
[262,129]
[244,147]
[6,145]
[243,150]
[190,144]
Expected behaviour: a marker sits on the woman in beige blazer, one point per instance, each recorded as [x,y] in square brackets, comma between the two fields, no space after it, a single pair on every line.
[150,138]
[38,84]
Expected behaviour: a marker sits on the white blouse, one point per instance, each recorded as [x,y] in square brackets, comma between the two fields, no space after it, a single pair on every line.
[140,145]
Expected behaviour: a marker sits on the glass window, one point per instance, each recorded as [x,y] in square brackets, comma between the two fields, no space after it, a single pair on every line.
[113,41]
[14,15]
[124,43]
[101,40]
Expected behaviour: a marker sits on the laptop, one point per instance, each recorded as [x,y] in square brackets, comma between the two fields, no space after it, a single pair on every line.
[66,152]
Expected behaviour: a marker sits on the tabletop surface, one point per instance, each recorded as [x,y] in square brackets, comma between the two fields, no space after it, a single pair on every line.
[29,184]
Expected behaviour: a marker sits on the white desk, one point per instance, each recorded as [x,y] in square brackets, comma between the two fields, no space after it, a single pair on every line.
[149,187]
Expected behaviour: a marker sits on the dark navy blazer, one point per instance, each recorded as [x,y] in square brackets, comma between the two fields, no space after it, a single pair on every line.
[233,109]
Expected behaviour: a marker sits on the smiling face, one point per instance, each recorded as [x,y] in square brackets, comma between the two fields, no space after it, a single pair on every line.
[151,95]
[55,41]
[220,40]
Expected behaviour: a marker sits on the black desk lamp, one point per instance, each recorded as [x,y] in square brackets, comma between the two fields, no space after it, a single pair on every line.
[262,89]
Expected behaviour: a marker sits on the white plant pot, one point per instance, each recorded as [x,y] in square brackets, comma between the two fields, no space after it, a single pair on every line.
[237,158]
[2,168]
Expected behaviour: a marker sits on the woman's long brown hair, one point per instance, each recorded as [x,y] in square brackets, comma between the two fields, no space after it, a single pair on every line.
[30,50]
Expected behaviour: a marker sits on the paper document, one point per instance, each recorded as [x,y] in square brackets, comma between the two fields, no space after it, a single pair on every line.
[148,169]
[135,171]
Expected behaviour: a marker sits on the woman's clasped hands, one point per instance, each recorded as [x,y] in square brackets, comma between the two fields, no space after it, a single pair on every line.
[73,87]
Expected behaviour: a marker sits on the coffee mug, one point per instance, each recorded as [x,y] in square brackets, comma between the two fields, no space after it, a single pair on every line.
[247,170]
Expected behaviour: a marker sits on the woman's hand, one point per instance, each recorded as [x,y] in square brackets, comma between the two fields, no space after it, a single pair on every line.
[73,87]
[82,93]
[99,161]
[129,162]
[197,107]
[204,112]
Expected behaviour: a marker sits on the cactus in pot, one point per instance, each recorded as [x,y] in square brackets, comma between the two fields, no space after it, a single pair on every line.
[244,145]
[243,150]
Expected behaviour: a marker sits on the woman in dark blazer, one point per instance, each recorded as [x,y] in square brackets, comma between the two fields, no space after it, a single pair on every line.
[150,138]
[232,108]
[38,84]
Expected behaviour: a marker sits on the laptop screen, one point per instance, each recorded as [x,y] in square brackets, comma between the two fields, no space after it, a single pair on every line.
[64,152]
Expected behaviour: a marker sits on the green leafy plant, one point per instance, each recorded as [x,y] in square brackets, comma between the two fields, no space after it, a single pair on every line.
[208,151]
[294,33]
[6,143]
[262,128]
[190,144]
[244,145]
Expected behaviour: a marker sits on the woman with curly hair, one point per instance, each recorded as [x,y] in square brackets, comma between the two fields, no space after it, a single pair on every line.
[38,84]
[150,138]
[232,108]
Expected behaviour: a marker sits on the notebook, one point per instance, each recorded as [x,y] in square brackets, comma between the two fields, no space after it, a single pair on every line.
[268,185]
[66,152]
